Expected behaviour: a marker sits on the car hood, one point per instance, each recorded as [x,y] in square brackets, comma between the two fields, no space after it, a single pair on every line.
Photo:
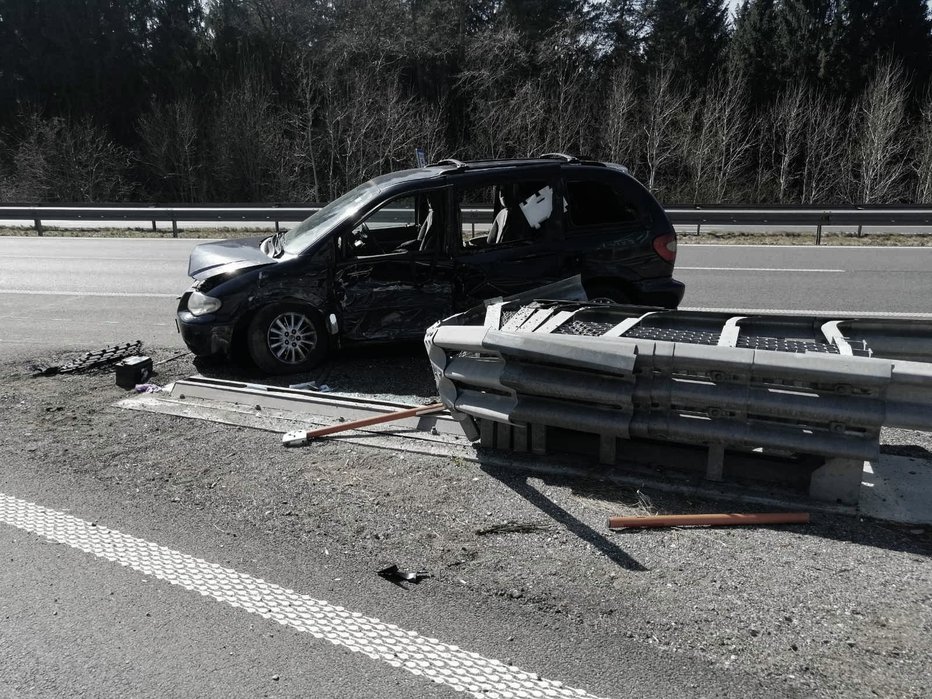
[225,256]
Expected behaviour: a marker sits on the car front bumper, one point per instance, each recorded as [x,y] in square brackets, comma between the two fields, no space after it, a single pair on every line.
[204,335]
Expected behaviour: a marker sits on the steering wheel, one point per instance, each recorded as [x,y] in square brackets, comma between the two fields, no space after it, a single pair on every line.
[361,236]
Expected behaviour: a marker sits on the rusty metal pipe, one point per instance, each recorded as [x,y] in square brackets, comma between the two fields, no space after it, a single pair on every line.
[300,438]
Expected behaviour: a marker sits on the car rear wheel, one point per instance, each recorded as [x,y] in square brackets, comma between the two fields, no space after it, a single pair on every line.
[286,339]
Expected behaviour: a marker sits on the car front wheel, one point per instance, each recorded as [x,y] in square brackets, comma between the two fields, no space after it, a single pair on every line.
[286,339]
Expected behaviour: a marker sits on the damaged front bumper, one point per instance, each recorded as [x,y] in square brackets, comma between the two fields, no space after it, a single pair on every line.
[203,335]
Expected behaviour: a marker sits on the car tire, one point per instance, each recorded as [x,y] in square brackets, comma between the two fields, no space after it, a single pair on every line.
[286,339]
[606,293]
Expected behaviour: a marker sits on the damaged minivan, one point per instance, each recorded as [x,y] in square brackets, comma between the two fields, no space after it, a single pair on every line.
[389,258]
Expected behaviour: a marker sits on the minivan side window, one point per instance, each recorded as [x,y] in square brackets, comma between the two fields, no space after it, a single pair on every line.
[506,213]
[411,222]
[597,203]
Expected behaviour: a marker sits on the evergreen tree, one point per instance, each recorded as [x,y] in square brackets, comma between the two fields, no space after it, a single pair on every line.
[176,53]
[867,30]
[621,27]
[691,35]
[83,57]
[803,39]
[536,18]
[753,51]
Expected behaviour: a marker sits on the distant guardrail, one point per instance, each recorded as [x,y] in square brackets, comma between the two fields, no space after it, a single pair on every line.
[877,217]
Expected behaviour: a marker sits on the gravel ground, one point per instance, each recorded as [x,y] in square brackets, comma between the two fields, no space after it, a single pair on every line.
[842,607]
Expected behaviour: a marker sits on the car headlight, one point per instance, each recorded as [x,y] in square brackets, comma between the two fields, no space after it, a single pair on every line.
[200,304]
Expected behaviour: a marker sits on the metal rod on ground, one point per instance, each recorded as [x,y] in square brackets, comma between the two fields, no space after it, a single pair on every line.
[718,520]
[300,438]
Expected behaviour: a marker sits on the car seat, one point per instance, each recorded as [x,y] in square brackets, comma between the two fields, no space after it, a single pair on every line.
[506,226]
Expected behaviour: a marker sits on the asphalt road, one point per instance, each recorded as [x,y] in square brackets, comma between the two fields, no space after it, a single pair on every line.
[74,624]
[71,293]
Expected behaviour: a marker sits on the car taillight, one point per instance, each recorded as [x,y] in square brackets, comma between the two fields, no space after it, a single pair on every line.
[665,246]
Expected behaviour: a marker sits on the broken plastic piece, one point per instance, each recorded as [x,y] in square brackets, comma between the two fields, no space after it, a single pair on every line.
[392,574]
[306,386]
[147,388]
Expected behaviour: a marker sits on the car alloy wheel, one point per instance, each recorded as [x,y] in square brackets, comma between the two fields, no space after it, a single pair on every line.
[286,338]
[292,337]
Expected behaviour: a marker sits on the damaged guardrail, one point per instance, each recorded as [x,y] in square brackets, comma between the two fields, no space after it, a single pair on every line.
[589,378]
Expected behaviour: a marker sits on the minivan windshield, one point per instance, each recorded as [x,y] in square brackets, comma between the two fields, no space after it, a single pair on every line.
[313,229]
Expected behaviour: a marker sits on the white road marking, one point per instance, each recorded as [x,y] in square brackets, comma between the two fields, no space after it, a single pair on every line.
[758,269]
[425,657]
[109,294]
[821,313]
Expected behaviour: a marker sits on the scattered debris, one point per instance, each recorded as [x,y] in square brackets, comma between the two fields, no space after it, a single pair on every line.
[300,438]
[512,528]
[392,574]
[306,386]
[311,386]
[89,360]
[717,520]
[147,388]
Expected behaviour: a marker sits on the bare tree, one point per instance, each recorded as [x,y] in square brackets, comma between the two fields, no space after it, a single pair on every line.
[719,140]
[879,165]
[921,161]
[787,121]
[171,149]
[59,160]
[569,89]
[620,134]
[506,98]
[367,125]
[824,148]
[248,134]
[663,118]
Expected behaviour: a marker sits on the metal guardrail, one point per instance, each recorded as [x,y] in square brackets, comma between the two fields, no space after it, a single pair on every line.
[525,374]
[816,218]
[330,406]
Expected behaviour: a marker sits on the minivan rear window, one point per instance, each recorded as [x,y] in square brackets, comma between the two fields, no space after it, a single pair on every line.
[595,203]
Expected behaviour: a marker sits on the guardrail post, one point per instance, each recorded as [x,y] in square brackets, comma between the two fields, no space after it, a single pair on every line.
[818,235]
[174,228]
[37,222]
[276,227]
[154,228]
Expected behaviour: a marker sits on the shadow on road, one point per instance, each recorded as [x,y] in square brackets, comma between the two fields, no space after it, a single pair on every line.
[518,482]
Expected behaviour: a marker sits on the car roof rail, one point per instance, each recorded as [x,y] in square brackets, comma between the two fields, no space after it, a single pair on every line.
[560,156]
[458,164]
[575,159]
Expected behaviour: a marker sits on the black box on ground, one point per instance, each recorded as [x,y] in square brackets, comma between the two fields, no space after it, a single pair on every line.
[132,371]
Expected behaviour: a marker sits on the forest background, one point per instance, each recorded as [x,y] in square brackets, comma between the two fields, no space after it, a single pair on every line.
[813,102]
